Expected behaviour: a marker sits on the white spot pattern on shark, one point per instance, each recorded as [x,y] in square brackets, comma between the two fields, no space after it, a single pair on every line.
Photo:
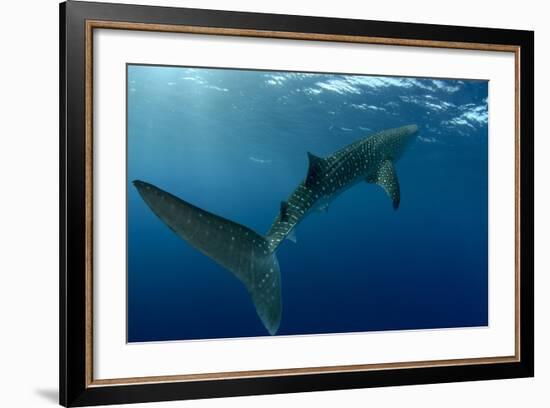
[251,256]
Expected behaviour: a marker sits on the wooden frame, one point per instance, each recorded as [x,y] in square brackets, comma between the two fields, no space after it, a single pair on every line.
[77,384]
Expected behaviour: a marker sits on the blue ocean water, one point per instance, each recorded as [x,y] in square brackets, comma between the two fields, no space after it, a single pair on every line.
[234,143]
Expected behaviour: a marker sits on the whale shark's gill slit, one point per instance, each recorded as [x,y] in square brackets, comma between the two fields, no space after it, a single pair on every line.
[235,247]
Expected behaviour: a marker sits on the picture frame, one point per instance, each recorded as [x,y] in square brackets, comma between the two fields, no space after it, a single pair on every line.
[79,23]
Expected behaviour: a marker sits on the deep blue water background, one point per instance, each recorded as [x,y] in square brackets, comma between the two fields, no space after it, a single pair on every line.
[234,142]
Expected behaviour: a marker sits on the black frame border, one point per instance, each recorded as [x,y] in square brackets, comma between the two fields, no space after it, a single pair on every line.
[72,346]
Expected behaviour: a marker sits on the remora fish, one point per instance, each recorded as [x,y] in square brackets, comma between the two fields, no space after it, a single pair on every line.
[251,256]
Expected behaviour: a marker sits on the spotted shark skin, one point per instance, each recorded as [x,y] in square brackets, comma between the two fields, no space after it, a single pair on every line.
[233,246]
[370,159]
[250,256]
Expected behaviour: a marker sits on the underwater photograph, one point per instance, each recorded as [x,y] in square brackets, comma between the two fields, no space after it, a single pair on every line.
[275,203]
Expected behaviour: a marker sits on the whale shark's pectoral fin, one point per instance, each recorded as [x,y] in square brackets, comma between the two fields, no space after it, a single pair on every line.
[386,177]
[237,248]
[315,170]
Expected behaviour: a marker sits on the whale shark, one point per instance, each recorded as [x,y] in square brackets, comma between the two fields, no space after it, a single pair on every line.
[251,256]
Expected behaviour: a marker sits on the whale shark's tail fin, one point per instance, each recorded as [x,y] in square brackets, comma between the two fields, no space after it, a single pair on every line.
[237,248]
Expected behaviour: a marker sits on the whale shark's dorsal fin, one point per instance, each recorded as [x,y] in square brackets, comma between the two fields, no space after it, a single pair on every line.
[315,170]
[386,177]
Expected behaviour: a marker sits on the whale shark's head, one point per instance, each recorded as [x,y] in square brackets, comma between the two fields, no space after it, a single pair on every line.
[396,140]
[406,134]
[411,130]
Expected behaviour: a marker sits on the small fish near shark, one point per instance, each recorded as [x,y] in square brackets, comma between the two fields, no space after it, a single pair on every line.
[250,256]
